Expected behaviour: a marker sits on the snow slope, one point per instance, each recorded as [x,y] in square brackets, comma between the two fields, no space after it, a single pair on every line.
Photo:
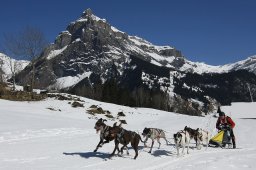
[34,137]
[5,65]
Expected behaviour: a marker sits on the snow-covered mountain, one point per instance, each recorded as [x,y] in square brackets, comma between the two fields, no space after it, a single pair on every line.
[199,67]
[90,44]
[247,64]
[50,134]
[5,65]
[94,59]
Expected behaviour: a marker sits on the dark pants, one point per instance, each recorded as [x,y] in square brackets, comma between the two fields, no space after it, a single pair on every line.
[233,137]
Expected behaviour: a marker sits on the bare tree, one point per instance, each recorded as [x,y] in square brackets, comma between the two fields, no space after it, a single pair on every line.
[1,71]
[13,65]
[250,91]
[29,43]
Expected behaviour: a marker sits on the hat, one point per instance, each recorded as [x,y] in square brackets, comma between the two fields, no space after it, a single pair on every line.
[220,112]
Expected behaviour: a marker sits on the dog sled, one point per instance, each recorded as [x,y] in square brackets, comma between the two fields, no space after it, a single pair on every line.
[222,139]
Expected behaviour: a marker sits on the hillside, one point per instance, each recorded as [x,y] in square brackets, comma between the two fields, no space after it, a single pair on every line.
[33,136]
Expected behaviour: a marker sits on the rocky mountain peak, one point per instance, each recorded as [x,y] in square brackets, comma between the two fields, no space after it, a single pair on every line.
[96,60]
[87,13]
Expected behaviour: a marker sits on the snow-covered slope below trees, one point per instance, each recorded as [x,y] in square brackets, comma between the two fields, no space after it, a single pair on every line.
[51,134]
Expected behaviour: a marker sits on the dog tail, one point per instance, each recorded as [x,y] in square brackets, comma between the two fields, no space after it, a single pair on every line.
[141,139]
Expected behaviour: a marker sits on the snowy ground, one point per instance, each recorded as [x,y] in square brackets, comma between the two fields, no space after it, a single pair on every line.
[33,137]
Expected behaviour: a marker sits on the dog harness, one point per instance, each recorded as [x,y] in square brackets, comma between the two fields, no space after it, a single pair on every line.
[105,131]
[120,135]
[155,133]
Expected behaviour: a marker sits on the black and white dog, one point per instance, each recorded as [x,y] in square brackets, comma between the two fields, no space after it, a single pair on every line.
[104,130]
[199,135]
[181,139]
[193,133]
[203,138]
[154,133]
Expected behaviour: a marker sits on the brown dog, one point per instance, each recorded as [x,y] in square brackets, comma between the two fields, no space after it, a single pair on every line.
[125,137]
[104,133]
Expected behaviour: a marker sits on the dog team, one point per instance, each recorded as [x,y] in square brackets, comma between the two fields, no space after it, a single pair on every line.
[124,137]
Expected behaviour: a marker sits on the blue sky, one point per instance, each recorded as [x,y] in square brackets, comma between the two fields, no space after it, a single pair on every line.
[215,31]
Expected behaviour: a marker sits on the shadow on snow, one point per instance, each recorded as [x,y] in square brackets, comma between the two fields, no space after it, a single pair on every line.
[89,154]
[102,155]
[161,152]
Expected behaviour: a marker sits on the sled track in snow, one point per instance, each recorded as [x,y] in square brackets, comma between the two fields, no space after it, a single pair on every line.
[196,156]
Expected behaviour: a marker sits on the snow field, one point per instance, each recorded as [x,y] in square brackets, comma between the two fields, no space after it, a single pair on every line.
[34,137]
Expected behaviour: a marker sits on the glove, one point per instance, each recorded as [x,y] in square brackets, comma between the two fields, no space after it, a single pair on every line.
[221,127]
[227,126]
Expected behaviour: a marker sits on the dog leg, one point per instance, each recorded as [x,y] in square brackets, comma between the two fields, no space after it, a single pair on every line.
[136,151]
[158,140]
[188,147]
[127,152]
[183,148]
[116,146]
[122,149]
[99,145]
[166,141]
[145,145]
[197,141]
[207,143]
[177,147]
[151,146]
[198,144]
[107,141]
[118,150]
